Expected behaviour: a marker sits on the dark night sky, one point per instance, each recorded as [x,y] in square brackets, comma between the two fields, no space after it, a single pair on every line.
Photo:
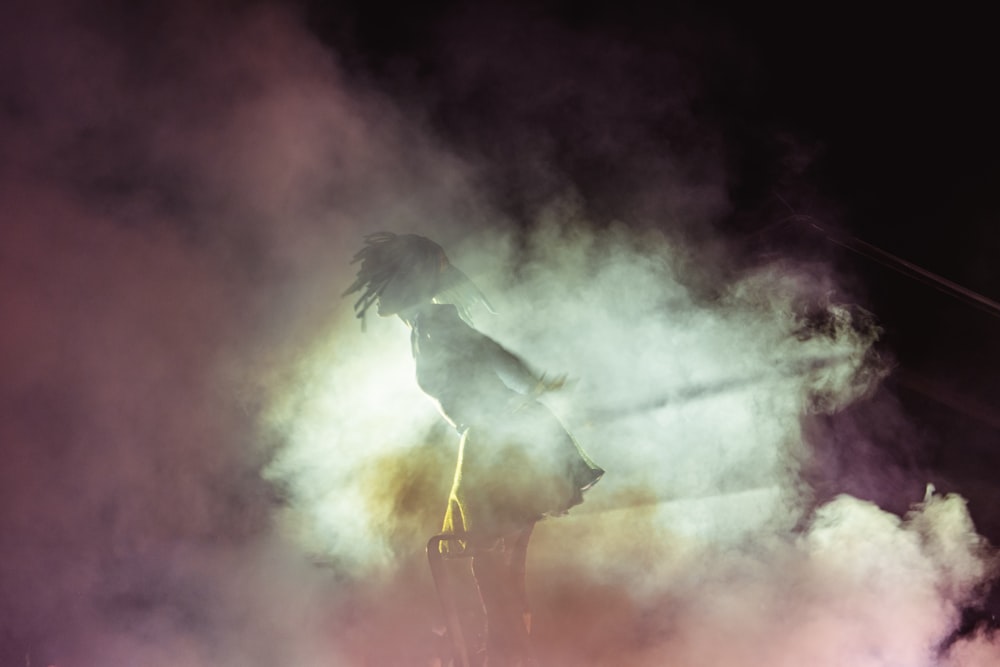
[895,109]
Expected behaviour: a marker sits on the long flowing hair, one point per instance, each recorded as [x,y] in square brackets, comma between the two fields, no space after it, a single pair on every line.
[421,270]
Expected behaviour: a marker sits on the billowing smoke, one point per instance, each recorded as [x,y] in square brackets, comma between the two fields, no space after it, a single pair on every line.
[207,461]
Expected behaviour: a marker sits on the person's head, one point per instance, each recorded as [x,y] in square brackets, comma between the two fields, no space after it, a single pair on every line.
[400,272]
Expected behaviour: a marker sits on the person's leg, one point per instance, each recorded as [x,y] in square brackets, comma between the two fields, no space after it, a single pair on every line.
[518,570]
[506,635]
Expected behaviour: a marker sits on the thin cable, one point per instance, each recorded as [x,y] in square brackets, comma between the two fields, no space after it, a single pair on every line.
[898,264]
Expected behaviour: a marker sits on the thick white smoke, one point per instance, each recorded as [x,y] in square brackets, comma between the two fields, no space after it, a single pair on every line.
[207,462]
[858,587]
[694,408]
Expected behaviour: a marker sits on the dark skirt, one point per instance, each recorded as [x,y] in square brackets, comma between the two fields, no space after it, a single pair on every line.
[513,469]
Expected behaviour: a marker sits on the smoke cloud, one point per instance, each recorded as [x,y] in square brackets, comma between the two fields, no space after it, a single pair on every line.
[207,461]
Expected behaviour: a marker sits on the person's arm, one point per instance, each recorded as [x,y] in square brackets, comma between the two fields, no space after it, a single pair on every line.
[515,372]
[473,348]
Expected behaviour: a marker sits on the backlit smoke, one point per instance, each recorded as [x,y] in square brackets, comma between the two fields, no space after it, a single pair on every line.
[207,462]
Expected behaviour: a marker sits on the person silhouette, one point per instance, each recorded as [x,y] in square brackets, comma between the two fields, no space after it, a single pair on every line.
[516,462]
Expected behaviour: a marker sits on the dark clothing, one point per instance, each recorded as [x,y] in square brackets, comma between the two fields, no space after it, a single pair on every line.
[516,462]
